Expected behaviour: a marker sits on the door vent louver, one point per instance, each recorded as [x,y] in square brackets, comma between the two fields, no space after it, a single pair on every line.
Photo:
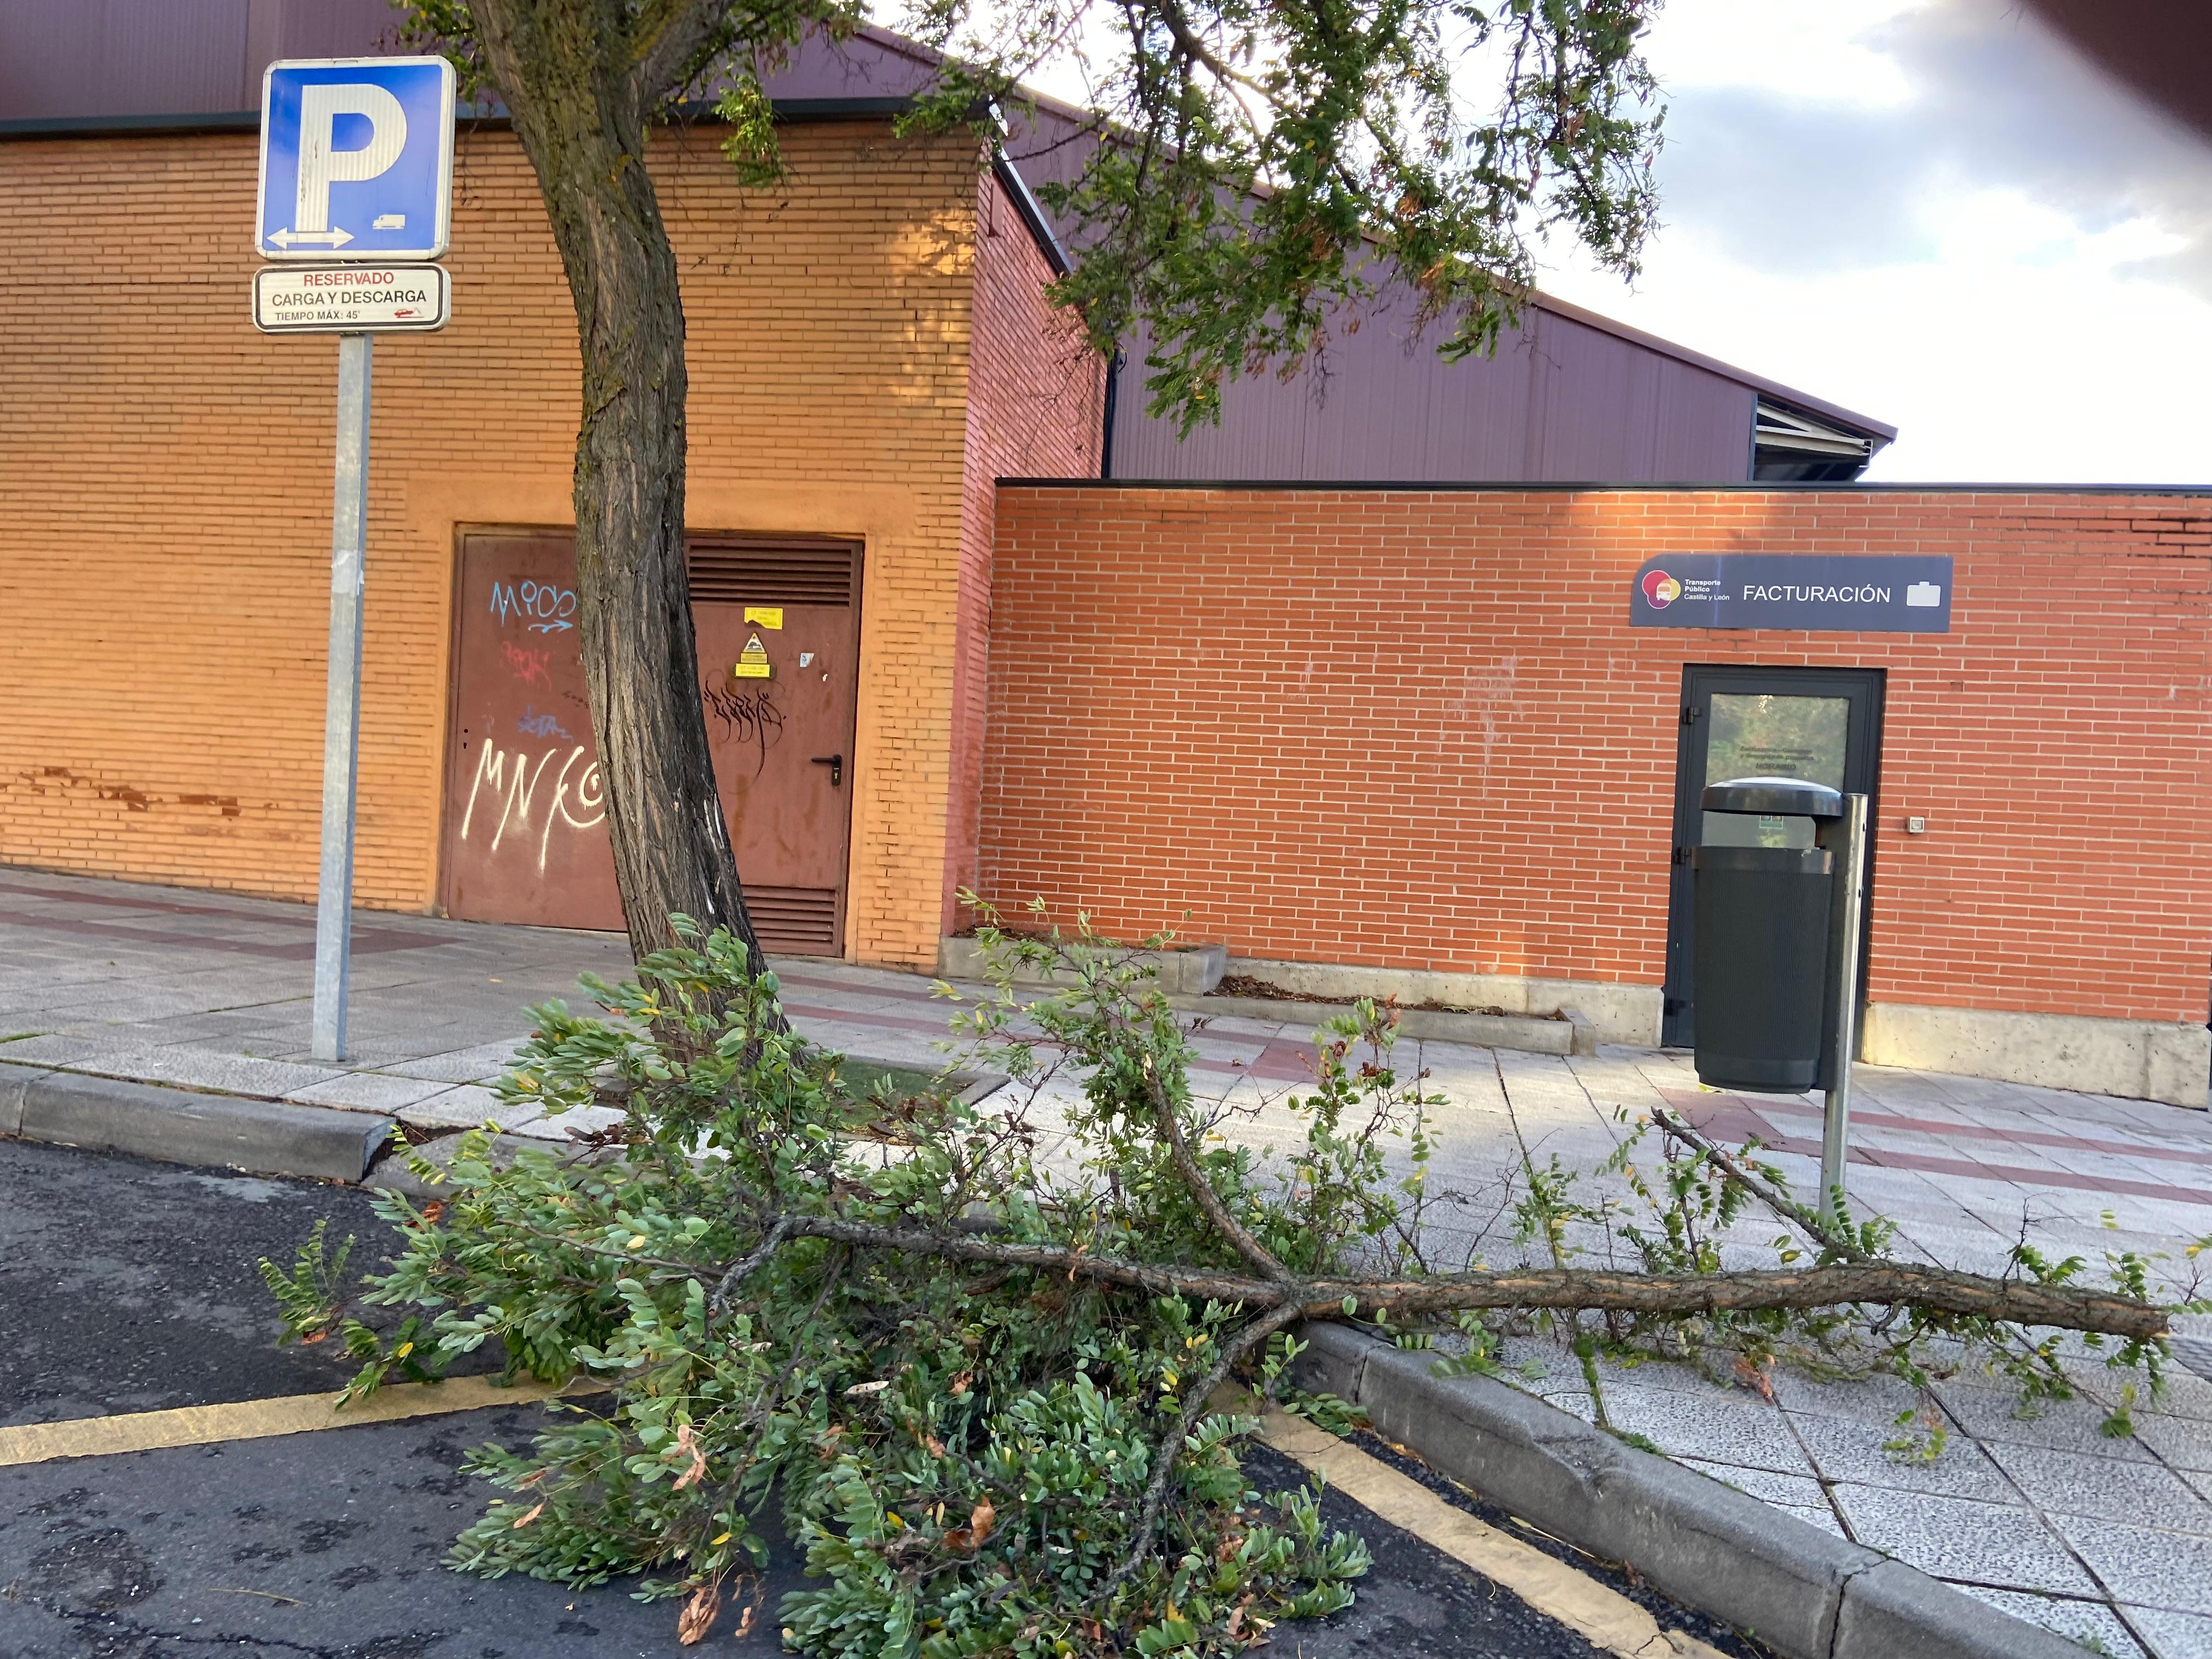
[802,921]
[742,570]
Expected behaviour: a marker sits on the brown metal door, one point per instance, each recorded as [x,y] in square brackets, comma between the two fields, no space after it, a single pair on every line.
[779,632]
[526,837]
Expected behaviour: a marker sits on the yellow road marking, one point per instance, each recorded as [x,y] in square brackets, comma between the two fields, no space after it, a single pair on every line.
[259,1419]
[1600,1614]
[1603,1616]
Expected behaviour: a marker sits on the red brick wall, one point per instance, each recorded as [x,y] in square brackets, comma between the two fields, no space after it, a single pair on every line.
[1034,397]
[1414,729]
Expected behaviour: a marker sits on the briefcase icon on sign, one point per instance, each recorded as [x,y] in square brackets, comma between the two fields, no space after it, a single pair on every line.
[1923,596]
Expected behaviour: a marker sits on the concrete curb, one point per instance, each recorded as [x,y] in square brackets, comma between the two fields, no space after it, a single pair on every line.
[1801,1591]
[176,1126]
[1530,1032]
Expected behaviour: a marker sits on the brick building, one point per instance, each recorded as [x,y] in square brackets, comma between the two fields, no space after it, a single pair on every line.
[867,351]
[1391,736]
[1412,729]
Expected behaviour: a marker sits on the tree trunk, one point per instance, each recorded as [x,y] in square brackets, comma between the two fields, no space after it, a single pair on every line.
[566,71]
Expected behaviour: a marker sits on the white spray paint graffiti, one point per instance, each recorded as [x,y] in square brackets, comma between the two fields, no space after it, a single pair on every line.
[514,783]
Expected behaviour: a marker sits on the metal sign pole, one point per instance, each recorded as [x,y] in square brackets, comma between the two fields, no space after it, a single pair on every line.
[342,698]
[1835,1133]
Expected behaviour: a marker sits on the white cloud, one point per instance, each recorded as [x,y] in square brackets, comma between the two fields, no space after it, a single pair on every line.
[1933,213]
[1803,50]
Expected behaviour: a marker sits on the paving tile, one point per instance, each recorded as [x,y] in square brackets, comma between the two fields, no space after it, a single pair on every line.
[1992,1413]
[1845,1450]
[2103,1488]
[2172,1635]
[464,1108]
[469,1065]
[2183,1442]
[2005,1546]
[1685,1425]
[2077,1621]
[51,1049]
[1876,1399]
[2145,1565]
[1784,1490]
[369,1091]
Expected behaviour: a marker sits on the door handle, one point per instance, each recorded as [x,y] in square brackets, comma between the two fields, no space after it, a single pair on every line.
[836,765]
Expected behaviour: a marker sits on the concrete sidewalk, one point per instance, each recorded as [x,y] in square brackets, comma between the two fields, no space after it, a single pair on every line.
[2106,1539]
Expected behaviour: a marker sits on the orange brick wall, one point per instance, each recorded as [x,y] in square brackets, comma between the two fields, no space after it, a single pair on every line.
[1034,397]
[164,553]
[1415,729]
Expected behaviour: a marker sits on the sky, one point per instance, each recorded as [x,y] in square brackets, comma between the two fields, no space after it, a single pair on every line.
[1932,212]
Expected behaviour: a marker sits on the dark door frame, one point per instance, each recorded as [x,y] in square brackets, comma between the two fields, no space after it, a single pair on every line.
[1864,689]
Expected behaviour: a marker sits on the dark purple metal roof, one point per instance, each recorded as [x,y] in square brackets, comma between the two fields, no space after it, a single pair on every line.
[1560,399]
[75,58]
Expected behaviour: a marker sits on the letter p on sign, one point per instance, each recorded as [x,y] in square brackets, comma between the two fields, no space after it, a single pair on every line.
[356,159]
[320,166]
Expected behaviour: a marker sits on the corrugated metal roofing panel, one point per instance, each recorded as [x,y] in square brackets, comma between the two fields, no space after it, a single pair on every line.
[1559,400]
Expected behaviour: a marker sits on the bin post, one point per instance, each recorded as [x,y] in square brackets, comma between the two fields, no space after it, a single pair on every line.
[1844,981]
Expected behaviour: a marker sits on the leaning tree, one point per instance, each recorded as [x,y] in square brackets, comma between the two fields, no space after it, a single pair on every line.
[1258,168]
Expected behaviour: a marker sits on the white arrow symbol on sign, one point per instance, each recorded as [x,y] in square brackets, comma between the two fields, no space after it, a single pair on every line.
[320,238]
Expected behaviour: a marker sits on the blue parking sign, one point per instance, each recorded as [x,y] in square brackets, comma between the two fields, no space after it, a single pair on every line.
[356,159]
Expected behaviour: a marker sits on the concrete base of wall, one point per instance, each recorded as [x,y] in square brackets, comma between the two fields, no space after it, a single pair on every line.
[2140,1059]
[1618,1013]
[1190,970]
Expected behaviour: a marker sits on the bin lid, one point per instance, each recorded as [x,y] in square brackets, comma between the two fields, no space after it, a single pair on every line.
[1773,798]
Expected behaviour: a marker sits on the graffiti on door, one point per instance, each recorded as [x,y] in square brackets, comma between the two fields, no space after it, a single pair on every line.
[512,780]
[540,606]
[748,715]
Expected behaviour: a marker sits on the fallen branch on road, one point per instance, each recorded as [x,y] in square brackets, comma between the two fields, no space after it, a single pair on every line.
[979,1381]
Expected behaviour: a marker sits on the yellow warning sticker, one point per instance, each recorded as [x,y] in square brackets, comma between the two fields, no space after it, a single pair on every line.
[752,663]
[766,615]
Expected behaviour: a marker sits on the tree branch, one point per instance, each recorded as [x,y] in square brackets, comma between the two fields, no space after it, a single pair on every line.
[1197,1401]
[1764,1191]
[1201,1189]
[1874,1284]
[670,33]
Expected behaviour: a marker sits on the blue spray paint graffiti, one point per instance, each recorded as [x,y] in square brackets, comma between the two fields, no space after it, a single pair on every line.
[539,726]
[545,608]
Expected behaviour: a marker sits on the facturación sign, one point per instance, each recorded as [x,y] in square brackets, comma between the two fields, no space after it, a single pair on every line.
[1816,592]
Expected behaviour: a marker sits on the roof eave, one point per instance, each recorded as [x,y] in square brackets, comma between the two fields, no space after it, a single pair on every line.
[1880,431]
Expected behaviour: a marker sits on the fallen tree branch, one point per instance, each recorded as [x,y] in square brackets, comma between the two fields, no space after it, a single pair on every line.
[1765,1191]
[1870,1284]
[1201,1189]
[1197,1401]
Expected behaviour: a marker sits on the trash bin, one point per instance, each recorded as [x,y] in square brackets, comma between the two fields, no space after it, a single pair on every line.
[1762,943]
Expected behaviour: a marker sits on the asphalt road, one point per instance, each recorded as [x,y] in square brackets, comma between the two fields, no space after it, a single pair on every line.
[127,1285]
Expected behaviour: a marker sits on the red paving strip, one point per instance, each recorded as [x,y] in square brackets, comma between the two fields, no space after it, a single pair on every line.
[1731,1117]
[784,977]
[2082,1183]
[167,907]
[367,941]
[1974,1131]
[850,1017]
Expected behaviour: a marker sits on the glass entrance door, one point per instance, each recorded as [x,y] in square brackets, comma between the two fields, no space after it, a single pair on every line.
[1820,724]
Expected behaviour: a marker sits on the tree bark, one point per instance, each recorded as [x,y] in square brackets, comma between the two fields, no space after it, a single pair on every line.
[570,73]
